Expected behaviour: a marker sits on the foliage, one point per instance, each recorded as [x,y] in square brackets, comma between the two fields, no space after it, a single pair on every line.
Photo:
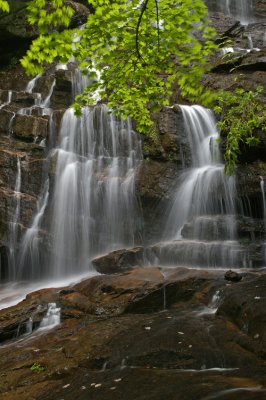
[241,116]
[4,6]
[132,51]
[37,368]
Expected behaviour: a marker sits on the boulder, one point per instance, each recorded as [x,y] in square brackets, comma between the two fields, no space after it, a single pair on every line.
[119,260]
[232,276]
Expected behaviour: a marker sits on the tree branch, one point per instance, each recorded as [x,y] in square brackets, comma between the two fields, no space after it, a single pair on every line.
[158,27]
[138,27]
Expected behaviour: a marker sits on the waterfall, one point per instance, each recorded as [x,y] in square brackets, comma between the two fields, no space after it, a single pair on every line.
[198,187]
[201,227]
[95,208]
[239,9]
[13,230]
[91,206]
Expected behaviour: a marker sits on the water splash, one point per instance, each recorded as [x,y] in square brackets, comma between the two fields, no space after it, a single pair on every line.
[52,317]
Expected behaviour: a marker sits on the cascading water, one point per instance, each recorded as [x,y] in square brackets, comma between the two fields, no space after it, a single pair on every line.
[30,86]
[94,205]
[242,10]
[200,229]
[197,192]
[52,317]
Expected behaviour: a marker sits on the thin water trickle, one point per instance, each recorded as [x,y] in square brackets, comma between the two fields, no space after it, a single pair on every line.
[8,100]
[31,84]
[30,256]
[13,230]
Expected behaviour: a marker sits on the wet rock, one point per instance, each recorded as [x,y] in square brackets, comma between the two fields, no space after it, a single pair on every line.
[223,227]
[62,94]
[232,276]
[29,127]
[254,61]
[91,354]
[3,262]
[224,25]
[5,118]
[173,138]
[81,12]
[260,8]
[155,183]
[23,99]
[14,79]
[44,83]
[206,254]
[17,33]
[244,305]
[119,260]
[31,159]
[14,320]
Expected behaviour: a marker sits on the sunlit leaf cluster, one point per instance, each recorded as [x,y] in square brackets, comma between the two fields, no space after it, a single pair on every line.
[4,6]
[134,51]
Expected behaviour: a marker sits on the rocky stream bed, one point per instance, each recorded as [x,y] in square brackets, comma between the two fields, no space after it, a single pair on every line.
[148,333]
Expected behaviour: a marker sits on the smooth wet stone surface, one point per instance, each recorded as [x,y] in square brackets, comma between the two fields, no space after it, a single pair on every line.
[112,343]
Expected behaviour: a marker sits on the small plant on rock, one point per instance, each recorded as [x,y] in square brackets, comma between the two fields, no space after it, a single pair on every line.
[37,368]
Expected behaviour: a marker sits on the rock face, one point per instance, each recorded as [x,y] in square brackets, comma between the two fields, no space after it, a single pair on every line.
[159,329]
[16,34]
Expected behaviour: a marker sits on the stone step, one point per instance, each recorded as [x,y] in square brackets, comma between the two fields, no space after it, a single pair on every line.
[193,253]
[223,227]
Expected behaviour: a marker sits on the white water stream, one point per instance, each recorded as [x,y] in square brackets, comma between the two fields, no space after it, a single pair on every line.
[13,230]
[95,209]
[241,10]
[202,189]
[200,228]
